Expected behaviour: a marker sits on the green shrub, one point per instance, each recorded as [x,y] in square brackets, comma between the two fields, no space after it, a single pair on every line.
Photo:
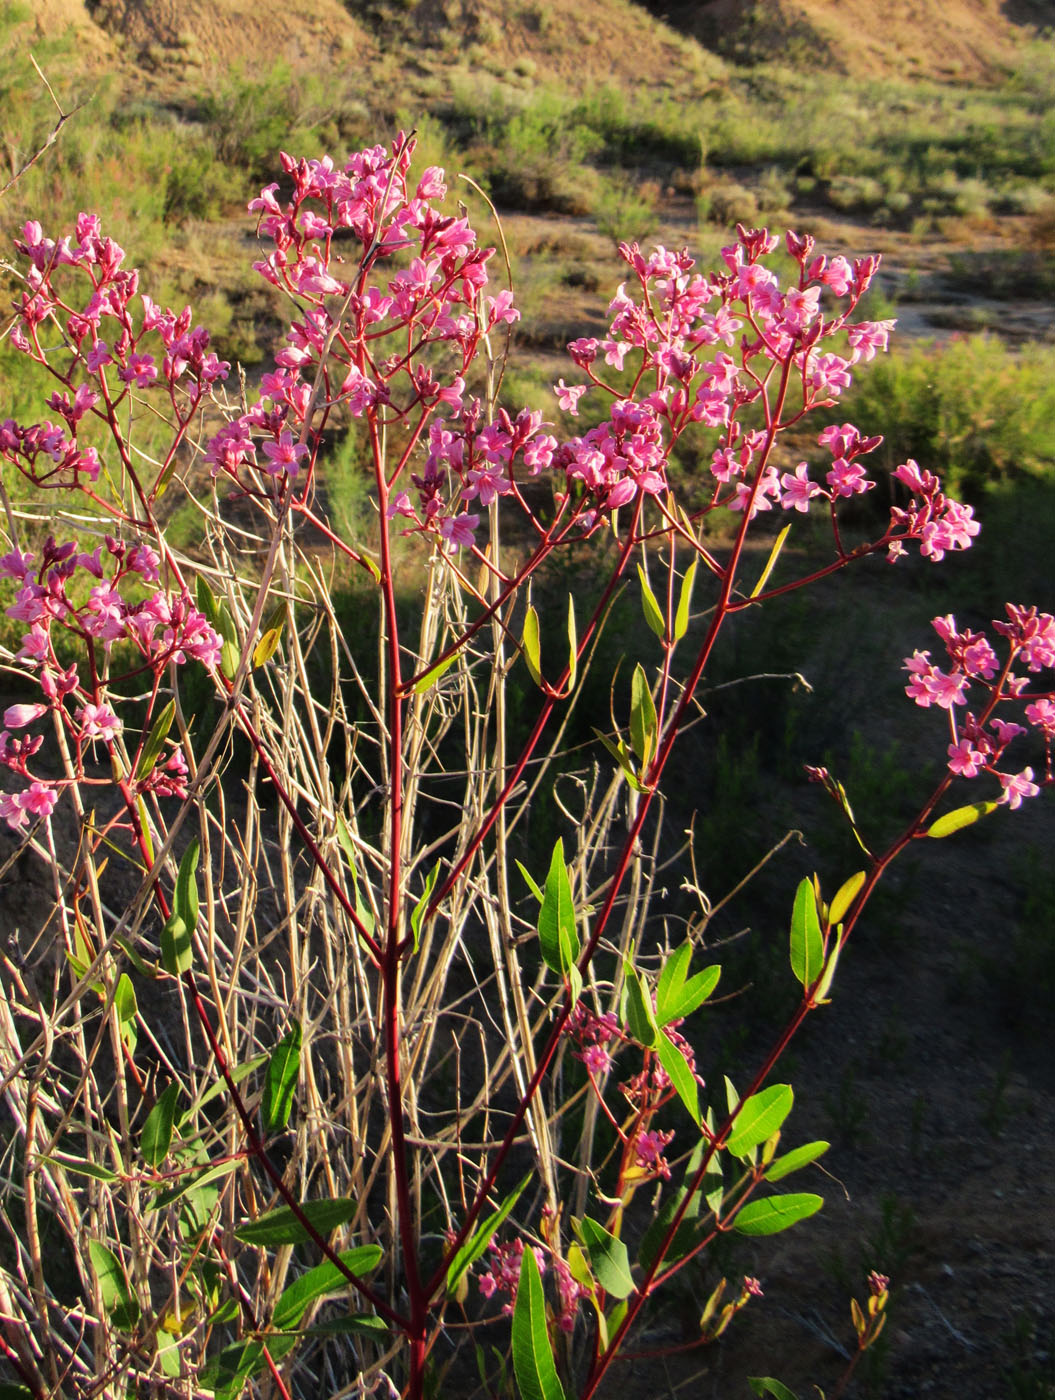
[972,410]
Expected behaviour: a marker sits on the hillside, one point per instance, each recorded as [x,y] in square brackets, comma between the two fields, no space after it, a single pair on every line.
[947,40]
[596,41]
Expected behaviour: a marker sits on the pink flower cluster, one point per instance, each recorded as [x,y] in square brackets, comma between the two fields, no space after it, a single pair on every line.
[593,1034]
[90,596]
[503,1276]
[679,316]
[980,737]
[396,347]
[79,284]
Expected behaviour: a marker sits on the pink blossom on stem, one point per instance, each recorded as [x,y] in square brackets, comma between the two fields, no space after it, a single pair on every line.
[1017,786]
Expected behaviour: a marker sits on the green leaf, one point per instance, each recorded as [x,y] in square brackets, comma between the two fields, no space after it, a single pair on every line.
[266,646]
[433,674]
[845,896]
[573,644]
[471,1250]
[961,817]
[177,950]
[766,1385]
[732,1098]
[558,937]
[125,999]
[807,944]
[185,899]
[644,726]
[194,1179]
[9,1391]
[608,1259]
[282,1226]
[118,1299]
[824,985]
[344,840]
[677,997]
[681,617]
[759,1118]
[81,1167]
[418,912]
[156,1137]
[530,646]
[640,1017]
[227,1373]
[530,883]
[672,977]
[650,607]
[151,749]
[140,964]
[774,555]
[318,1282]
[621,754]
[689,1232]
[781,1167]
[680,1075]
[533,1365]
[280,1085]
[775,1213]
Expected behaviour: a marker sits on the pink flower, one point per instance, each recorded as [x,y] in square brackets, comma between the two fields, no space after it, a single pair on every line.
[965,759]
[1042,714]
[98,356]
[98,722]
[1016,786]
[18,716]
[39,799]
[457,530]
[798,490]
[568,396]
[284,455]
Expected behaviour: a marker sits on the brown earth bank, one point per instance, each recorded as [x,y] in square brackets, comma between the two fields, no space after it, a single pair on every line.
[595,41]
[944,39]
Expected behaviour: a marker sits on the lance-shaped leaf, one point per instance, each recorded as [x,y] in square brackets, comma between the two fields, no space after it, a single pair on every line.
[774,555]
[640,1017]
[680,1075]
[533,1365]
[958,819]
[472,1249]
[152,746]
[185,901]
[678,995]
[530,646]
[807,943]
[608,1259]
[845,896]
[766,1385]
[573,644]
[759,1118]
[681,617]
[794,1161]
[156,1137]
[775,1213]
[644,726]
[323,1279]
[418,912]
[558,937]
[280,1083]
[650,607]
[118,1298]
[283,1226]
[433,674]
[689,1231]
